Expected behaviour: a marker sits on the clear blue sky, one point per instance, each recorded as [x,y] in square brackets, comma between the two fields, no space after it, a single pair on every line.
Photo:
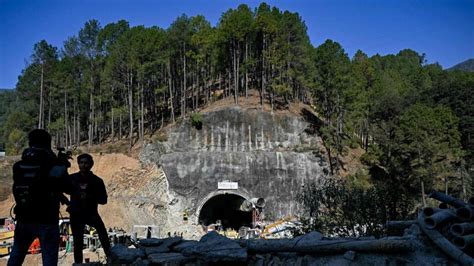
[443,29]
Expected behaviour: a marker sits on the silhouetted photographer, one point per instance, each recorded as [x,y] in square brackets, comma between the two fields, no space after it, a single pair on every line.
[39,180]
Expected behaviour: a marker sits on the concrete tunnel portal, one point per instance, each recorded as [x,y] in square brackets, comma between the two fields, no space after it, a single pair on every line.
[225,207]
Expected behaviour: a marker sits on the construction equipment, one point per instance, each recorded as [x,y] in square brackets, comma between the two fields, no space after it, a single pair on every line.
[7,232]
[247,205]
[5,235]
[5,249]
[283,227]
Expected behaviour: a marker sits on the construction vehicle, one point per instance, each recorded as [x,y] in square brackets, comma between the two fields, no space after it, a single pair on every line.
[281,228]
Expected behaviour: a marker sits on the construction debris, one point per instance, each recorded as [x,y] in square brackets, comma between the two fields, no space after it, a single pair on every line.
[437,237]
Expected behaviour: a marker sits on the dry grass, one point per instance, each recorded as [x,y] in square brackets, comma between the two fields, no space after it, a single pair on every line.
[351,162]
[253,102]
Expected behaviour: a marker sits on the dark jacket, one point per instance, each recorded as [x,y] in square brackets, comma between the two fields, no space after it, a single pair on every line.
[86,193]
[38,183]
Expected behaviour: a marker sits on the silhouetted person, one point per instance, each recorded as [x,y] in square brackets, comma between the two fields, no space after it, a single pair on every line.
[38,182]
[87,191]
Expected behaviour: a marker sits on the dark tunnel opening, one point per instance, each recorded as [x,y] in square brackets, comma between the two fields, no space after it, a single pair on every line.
[225,208]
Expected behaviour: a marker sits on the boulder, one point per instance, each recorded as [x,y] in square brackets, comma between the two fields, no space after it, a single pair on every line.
[313,236]
[214,247]
[150,242]
[152,250]
[154,242]
[171,241]
[184,244]
[168,259]
[120,254]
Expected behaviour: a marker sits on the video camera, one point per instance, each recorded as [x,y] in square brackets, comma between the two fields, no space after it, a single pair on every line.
[64,156]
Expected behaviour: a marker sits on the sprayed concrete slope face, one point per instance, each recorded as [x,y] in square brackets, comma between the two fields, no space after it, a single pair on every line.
[267,155]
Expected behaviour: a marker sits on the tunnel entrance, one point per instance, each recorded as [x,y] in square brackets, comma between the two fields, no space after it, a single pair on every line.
[225,207]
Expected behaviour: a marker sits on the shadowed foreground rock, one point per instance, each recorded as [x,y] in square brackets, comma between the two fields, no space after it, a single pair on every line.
[120,254]
[311,249]
[214,247]
[417,242]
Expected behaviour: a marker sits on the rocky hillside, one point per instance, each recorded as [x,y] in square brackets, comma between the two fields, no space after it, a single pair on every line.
[269,155]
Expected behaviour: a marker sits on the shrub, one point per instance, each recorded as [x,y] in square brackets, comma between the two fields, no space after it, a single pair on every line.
[335,208]
[196,120]
[17,140]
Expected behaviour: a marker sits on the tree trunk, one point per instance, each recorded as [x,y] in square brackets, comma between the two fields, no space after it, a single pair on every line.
[220,82]
[41,105]
[272,94]
[423,193]
[49,110]
[78,129]
[262,95]
[234,66]
[183,95]
[170,90]
[237,73]
[130,108]
[246,70]
[91,113]
[120,125]
[65,120]
[328,150]
[142,113]
[74,137]
[112,134]
[229,82]
[71,141]
[139,125]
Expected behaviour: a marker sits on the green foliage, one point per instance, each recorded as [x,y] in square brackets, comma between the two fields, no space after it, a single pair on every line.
[17,120]
[56,126]
[44,53]
[428,141]
[281,89]
[361,179]
[8,101]
[414,121]
[334,207]
[196,120]
[17,140]
[331,82]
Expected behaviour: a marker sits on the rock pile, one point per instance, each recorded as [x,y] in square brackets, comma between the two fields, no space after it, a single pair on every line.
[438,237]
[310,249]
[176,251]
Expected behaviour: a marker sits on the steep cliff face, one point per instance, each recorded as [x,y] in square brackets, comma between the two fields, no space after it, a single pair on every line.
[263,154]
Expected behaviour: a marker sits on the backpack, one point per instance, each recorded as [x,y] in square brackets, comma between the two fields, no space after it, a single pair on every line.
[29,179]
